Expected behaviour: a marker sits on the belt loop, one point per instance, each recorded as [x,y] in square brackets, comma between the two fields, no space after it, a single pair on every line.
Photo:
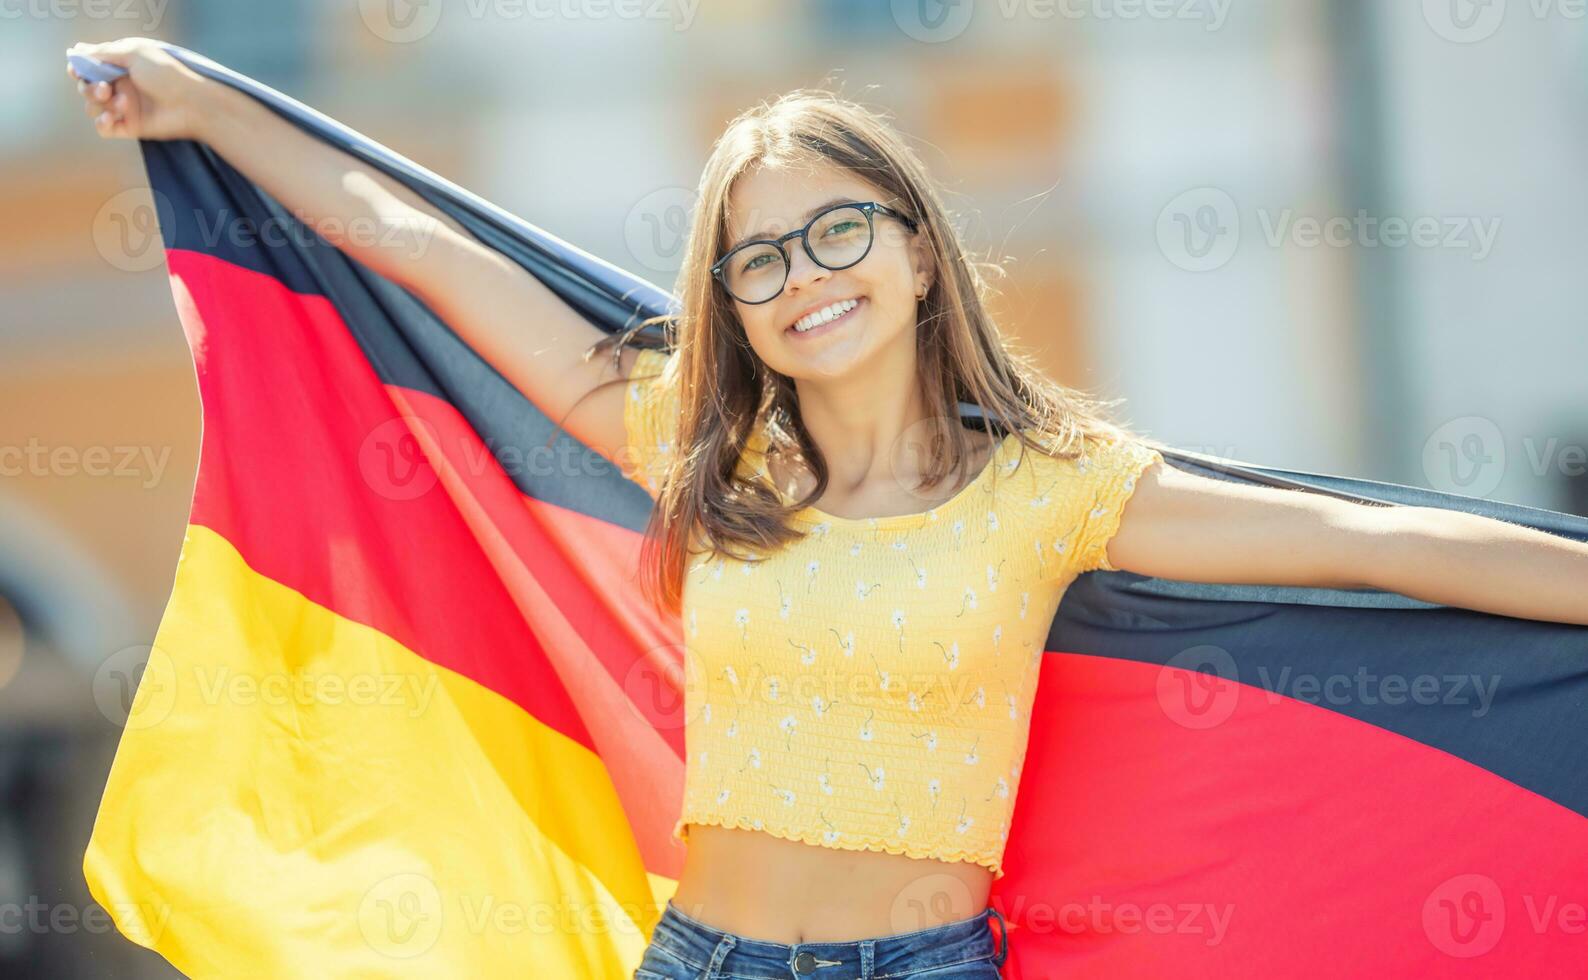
[868,958]
[1003,938]
[718,955]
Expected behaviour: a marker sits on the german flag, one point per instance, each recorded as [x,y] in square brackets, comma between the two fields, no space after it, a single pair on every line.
[407,714]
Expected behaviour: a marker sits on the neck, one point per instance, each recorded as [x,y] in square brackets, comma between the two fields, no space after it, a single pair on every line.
[871,424]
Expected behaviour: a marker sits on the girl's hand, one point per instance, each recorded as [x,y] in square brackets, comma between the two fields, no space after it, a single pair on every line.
[158,98]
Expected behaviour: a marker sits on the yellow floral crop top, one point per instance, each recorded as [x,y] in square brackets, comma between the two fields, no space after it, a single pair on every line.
[869,687]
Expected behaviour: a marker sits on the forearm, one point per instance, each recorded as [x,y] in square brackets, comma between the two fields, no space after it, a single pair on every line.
[361,211]
[1459,559]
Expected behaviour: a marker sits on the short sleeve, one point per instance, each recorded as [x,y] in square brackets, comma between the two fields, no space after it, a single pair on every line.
[1087,499]
[650,419]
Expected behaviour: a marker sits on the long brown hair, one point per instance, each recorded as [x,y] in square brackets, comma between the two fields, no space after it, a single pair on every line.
[705,502]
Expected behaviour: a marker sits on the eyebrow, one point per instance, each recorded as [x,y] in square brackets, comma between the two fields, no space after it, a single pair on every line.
[807,216]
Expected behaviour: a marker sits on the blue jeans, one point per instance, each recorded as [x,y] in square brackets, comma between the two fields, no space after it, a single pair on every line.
[682,948]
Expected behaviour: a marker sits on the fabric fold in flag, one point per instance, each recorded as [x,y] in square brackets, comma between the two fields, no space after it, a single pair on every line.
[407,713]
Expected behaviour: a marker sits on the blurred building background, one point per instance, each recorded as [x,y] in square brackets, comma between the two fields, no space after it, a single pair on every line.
[1336,237]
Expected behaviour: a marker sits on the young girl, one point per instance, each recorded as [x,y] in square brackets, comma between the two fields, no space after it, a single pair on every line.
[864,573]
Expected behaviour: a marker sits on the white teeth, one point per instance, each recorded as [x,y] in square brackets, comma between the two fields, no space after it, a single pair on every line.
[825,314]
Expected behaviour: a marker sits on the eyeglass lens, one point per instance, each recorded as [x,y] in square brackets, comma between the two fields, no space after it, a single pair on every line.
[838,239]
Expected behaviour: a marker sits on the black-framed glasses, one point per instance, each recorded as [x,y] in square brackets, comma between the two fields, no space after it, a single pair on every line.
[836,238]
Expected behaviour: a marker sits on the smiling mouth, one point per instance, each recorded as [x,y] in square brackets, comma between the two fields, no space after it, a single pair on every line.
[832,324]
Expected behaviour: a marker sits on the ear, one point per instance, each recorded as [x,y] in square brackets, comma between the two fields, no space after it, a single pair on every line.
[925,265]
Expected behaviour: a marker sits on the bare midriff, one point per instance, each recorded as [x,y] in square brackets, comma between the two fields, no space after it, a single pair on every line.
[759,886]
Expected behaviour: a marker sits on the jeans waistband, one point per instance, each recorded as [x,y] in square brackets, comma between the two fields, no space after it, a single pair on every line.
[714,951]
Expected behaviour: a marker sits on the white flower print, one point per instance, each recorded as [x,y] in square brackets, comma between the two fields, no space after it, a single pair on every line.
[950,653]
[865,728]
[970,757]
[1025,600]
[716,573]
[862,589]
[785,601]
[823,781]
[854,550]
[904,818]
[933,788]
[968,602]
[741,619]
[811,568]
[931,738]
[964,821]
[774,688]
[914,702]
[828,836]
[732,675]
[787,724]
[807,653]
[998,635]
[846,643]
[874,776]
[880,672]
[819,706]
[992,576]
[821,529]
[705,713]
[786,795]
[753,759]
[722,795]
[898,624]
[901,545]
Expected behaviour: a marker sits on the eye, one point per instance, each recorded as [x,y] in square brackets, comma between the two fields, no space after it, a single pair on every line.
[843,227]
[756,262]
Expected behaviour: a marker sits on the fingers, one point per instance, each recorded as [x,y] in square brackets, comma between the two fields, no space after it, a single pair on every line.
[106,107]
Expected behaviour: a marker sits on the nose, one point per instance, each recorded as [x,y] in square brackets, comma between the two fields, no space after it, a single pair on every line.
[802,272]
